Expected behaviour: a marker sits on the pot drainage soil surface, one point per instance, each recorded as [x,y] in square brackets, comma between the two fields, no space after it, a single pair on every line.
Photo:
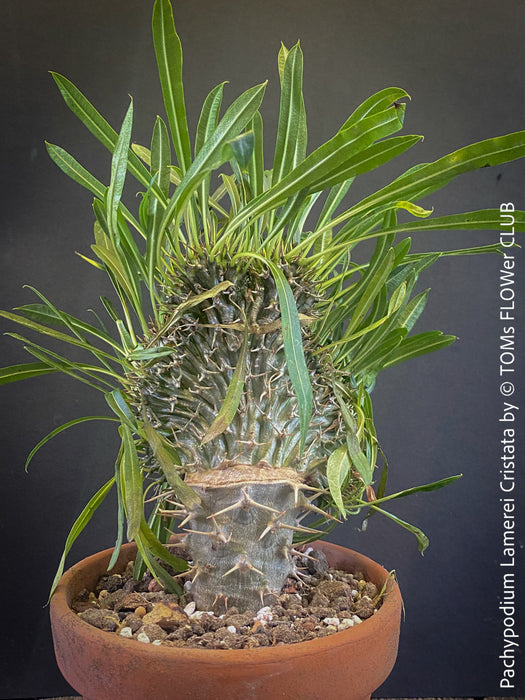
[320,602]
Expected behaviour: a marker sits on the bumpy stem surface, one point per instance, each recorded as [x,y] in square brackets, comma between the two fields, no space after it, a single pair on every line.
[240,538]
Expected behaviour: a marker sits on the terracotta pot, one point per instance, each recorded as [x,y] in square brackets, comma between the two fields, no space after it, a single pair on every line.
[347,665]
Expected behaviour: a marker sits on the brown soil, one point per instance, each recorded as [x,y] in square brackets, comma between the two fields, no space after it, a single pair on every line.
[320,602]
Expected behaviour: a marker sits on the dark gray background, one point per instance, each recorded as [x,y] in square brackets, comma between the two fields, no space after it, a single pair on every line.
[463,64]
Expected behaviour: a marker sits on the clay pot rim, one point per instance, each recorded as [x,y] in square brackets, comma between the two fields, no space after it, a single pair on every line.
[60,607]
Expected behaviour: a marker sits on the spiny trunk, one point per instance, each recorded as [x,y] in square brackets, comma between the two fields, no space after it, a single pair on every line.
[240,538]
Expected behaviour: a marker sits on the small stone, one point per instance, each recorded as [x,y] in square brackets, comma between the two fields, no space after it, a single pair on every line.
[102,619]
[140,611]
[169,617]
[345,624]
[357,620]
[232,629]
[318,564]
[142,637]
[331,629]
[370,589]
[133,621]
[126,632]
[111,601]
[156,642]
[130,602]
[334,589]
[285,635]
[335,621]
[153,632]
[113,583]
[319,600]
[364,608]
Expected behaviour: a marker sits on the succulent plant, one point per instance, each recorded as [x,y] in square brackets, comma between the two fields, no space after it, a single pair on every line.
[246,338]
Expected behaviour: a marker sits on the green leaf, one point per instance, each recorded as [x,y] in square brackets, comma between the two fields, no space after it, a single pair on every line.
[482,220]
[374,104]
[419,489]
[256,164]
[44,314]
[324,162]
[60,429]
[158,549]
[97,125]
[15,373]
[433,176]
[121,514]
[74,170]
[119,166]
[241,149]
[131,483]
[372,287]
[208,158]
[161,156]
[359,460]
[337,469]
[420,344]
[209,117]
[79,524]
[293,349]
[290,144]
[422,539]
[168,51]
[118,404]
[233,396]
[164,456]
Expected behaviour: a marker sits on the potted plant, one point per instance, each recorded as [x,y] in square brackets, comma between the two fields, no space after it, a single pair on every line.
[246,337]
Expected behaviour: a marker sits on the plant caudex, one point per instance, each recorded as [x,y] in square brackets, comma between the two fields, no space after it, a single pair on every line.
[247,337]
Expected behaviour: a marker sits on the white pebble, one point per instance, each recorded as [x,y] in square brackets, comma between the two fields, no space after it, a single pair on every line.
[332,621]
[190,608]
[357,619]
[126,632]
[143,637]
[156,642]
[232,629]
[345,624]
[354,592]
[265,613]
[187,586]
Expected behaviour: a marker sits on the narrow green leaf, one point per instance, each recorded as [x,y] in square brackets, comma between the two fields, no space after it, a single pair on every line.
[371,289]
[420,344]
[233,396]
[74,170]
[118,404]
[208,158]
[165,458]
[209,117]
[418,489]
[433,176]
[97,125]
[359,460]
[293,349]
[374,104]
[291,114]
[79,524]
[119,166]
[161,156]
[168,51]
[121,514]
[241,149]
[337,469]
[158,550]
[60,429]
[131,483]
[323,162]
[15,373]
[422,539]
[256,164]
